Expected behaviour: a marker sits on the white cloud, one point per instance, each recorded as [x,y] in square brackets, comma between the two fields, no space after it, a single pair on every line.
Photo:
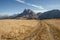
[36,6]
[40,11]
[33,5]
[21,1]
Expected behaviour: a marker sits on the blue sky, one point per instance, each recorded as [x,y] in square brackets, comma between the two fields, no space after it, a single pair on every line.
[17,6]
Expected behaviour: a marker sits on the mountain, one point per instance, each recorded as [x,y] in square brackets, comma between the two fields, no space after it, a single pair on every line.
[28,14]
[50,14]
[8,16]
[38,14]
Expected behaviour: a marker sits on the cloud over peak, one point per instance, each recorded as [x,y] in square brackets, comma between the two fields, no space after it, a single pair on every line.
[33,5]
[21,1]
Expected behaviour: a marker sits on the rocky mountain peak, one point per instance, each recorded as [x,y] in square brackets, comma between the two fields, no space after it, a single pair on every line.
[28,11]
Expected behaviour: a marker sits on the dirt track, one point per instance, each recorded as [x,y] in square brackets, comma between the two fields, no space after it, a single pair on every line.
[29,30]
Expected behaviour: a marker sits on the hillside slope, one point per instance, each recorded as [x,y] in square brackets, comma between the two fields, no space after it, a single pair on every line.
[52,14]
[30,29]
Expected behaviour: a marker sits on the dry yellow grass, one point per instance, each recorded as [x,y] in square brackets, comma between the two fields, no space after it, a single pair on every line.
[17,29]
[30,29]
[53,26]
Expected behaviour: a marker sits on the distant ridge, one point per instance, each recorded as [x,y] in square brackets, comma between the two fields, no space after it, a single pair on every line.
[50,14]
[29,14]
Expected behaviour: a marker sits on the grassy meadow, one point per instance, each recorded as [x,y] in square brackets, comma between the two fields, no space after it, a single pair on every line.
[30,29]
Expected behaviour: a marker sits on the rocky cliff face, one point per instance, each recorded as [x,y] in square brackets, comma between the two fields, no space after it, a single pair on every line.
[27,13]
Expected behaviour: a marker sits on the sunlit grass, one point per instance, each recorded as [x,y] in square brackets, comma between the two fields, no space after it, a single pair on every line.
[30,29]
